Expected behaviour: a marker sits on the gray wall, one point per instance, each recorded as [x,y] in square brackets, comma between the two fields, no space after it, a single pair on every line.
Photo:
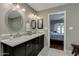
[72,19]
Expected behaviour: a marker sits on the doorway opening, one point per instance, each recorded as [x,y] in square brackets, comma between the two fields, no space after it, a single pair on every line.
[57,30]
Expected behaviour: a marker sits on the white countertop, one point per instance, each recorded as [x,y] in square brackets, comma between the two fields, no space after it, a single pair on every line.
[22,39]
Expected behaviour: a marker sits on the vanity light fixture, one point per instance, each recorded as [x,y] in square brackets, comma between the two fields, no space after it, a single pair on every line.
[38,17]
[31,16]
[23,9]
[35,17]
[17,6]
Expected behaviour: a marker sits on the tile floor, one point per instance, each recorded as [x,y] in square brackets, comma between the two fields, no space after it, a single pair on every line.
[53,52]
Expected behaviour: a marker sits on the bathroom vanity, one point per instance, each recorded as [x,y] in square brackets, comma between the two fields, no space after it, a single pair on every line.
[27,45]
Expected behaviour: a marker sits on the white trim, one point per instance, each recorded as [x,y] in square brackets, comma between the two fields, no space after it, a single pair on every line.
[64,28]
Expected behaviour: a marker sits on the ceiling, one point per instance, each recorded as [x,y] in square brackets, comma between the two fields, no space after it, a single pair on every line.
[43,6]
[57,16]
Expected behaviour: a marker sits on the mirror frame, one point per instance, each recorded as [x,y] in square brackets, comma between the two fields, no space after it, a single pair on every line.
[40,24]
[33,22]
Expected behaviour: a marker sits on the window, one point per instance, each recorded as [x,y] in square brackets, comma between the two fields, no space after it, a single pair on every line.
[60,28]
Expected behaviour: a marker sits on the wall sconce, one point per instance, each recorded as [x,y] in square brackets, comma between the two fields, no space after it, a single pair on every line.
[32,16]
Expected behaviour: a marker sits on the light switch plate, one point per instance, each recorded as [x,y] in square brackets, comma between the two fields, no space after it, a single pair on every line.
[71,28]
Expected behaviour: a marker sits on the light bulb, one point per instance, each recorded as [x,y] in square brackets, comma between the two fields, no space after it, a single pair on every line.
[32,16]
[23,9]
[17,6]
[38,17]
[35,17]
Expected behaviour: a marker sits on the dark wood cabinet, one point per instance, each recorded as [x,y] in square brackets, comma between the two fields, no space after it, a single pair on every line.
[7,50]
[29,48]
[19,50]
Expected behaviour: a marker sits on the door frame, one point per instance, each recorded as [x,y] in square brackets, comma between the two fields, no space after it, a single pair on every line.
[64,28]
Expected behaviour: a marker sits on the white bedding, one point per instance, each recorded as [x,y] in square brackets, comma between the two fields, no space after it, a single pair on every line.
[52,33]
[56,36]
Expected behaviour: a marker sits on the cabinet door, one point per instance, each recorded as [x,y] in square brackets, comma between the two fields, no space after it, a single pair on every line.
[7,50]
[35,46]
[20,50]
[41,42]
[29,48]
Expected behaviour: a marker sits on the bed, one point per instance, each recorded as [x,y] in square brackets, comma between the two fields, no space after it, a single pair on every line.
[56,36]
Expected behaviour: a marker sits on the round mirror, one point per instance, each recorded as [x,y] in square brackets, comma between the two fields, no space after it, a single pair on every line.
[14,20]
